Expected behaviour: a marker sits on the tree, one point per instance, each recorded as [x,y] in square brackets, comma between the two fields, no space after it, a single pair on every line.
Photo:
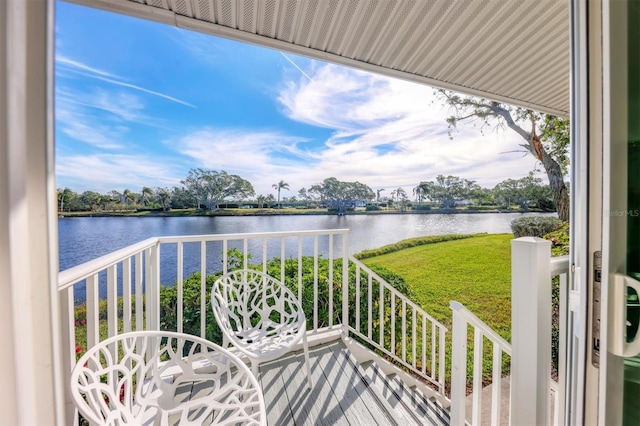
[261,200]
[302,194]
[547,140]
[183,198]
[128,197]
[212,186]
[278,186]
[378,191]
[523,192]
[340,195]
[163,195]
[146,195]
[423,191]
[91,199]
[65,197]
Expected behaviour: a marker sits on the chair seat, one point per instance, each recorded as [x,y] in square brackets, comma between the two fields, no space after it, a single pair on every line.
[266,343]
[259,315]
[165,378]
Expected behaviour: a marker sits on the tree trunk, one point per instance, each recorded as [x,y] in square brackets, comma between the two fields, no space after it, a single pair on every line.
[558,188]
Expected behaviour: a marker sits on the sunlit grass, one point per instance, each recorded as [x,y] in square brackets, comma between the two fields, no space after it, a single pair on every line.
[474,271]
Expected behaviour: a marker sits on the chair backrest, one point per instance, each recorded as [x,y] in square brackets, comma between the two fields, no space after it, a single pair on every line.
[250,300]
[150,377]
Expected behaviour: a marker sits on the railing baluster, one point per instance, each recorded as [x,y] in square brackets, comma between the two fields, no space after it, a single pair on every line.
[434,353]
[282,258]
[345,284]
[458,368]
[203,289]
[393,322]
[300,269]
[381,325]
[225,257]
[496,401]
[441,351]
[477,376]
[330,280]
[180,296]
[404,329]
[357,303]
[315,283]
[369,303]
[414,321]
[424,344]
[93,311]
[245,253]
[155,287]
[126,295]
[264,255]
[112,301]
[139,293]
[148,283]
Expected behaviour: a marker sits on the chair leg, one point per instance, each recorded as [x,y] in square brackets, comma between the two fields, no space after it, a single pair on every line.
[305,346]
[254,368]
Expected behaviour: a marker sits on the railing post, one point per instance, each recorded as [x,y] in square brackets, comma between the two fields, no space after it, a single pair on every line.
[458,366]
[345,285]
[152,287]
[530,330]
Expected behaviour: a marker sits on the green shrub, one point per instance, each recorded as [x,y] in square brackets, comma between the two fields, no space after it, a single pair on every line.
[191,289]
[423,207]
[411,242]
[534,226]
[372,208]
[559,240]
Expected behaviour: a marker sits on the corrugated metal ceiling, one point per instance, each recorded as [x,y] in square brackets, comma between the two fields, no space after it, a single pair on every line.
[509,50]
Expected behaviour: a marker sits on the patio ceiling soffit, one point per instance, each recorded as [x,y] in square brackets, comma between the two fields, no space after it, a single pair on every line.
[511,51]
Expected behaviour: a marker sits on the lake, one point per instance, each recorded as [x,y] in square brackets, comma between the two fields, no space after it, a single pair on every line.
[85,238]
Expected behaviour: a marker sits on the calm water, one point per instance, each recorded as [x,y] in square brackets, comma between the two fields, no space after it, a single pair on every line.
[83,239]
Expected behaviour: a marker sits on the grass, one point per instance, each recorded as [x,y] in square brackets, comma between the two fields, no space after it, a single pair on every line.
[411,242]
[474,271]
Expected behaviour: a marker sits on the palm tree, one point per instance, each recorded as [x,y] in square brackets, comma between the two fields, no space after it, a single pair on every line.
[278,186]
[147,194]
[260,200]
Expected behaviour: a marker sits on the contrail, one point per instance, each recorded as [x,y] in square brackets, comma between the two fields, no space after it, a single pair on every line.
[297,67]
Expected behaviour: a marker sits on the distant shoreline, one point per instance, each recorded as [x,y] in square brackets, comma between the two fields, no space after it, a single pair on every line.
[283,212]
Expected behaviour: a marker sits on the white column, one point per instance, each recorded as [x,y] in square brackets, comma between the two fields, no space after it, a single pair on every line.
[31,385]
[530,330]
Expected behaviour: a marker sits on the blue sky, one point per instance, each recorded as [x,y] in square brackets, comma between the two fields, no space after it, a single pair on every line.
[140,103]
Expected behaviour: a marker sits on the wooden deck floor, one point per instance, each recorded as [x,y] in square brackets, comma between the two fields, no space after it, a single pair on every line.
[344,393]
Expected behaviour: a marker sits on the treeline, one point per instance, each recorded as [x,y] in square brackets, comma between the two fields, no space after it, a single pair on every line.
[214,189]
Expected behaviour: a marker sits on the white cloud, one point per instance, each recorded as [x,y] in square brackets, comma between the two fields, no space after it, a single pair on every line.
[391,133]
[104,172]
[83,126]
[69,65]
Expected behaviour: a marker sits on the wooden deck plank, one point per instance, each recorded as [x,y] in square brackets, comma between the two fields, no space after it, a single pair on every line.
[275,397]
[318,406]
[348,386]
[344,393]
[378,386]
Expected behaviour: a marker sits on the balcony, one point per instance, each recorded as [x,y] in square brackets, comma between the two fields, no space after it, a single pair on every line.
[376,357]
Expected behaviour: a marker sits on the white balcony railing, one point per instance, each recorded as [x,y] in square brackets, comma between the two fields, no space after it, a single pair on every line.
[122,292]
[527,365]
[389,322]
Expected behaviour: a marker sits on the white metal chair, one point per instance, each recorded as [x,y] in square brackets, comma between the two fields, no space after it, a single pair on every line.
[165,378]
[259,316]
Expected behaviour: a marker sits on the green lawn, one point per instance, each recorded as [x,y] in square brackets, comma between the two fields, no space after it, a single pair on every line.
[474,271]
